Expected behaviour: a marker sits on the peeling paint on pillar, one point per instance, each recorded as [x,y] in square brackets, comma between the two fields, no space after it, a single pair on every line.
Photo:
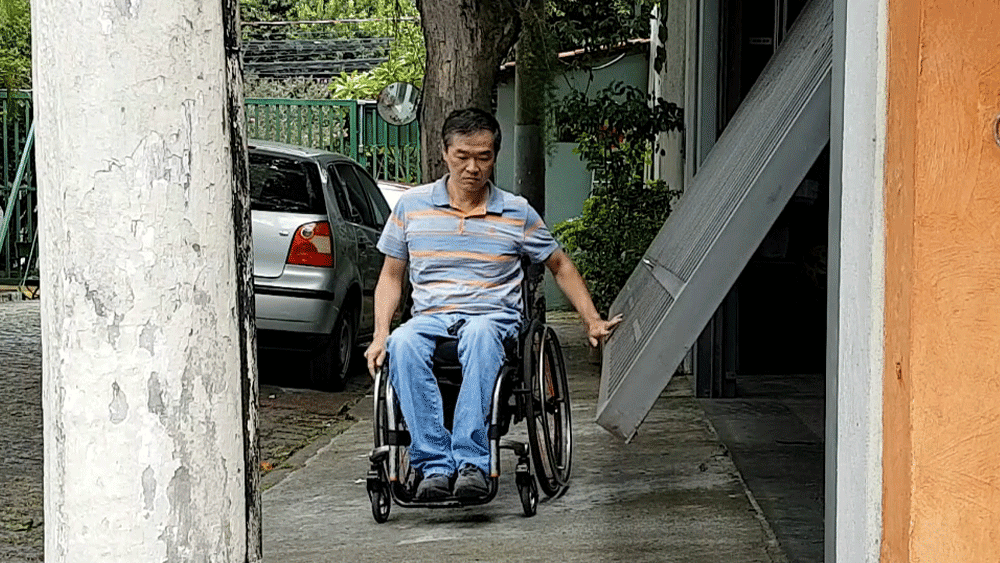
[148,489]
[119,405]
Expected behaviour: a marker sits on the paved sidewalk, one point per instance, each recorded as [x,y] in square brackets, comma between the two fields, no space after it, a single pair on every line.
[21,533]
[673,495]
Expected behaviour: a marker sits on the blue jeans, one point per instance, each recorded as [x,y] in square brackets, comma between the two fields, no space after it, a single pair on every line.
[433,450]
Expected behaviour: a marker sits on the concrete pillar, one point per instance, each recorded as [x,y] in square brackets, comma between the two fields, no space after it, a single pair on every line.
[148,375]
[856,284]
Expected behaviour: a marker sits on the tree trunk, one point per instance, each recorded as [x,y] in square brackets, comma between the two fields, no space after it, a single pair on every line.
[149,381]
[529,144]
[466,42]
[529,112]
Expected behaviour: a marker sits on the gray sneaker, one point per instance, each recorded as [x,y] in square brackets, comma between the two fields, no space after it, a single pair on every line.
[434,487]
[471,483]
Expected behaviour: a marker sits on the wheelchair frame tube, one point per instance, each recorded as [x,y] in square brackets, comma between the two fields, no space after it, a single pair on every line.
[390,413]
[494,423]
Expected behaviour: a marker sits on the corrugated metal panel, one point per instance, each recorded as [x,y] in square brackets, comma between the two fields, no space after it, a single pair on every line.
[745,182]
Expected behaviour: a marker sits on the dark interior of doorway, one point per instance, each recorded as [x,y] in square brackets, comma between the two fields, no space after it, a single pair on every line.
[772,421]
[759,365]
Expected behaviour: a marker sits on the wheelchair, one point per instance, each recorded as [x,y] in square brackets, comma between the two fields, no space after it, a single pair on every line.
[531,387]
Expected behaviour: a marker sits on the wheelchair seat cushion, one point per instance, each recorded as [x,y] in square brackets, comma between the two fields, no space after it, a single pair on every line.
[445,359]
[446,353]
[448,372]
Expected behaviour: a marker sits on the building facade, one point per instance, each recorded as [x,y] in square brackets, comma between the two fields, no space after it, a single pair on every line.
[904,97]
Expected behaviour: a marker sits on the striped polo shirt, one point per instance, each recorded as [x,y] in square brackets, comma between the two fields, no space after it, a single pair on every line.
[465,262]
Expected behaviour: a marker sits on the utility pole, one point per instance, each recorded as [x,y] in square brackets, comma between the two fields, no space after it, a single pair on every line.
[529,143]
[149,376]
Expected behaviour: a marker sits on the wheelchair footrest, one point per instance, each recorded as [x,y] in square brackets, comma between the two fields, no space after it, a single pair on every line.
[379,454]
[519,448]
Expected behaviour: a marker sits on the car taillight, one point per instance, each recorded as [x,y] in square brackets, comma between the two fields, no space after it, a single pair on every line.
[312,245]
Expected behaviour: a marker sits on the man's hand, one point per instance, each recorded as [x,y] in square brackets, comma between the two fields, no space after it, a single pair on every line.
[375,354]
[600,329]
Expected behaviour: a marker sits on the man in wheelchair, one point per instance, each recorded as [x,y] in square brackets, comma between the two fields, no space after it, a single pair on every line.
[461,240]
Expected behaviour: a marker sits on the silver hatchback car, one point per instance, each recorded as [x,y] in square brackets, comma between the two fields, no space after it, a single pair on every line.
[317,217]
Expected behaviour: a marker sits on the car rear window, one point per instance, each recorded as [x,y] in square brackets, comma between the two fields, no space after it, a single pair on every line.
[279,183]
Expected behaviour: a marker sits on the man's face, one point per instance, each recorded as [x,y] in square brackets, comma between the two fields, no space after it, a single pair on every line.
[470,159]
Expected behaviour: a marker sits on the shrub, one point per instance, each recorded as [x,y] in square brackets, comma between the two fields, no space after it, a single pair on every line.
[616,131]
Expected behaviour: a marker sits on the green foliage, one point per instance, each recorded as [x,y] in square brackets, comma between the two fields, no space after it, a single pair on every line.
[406,64]
[286,88]
[15,44]
[589,25]
[388,11]
[391,18]
[608,239]
[616,130]
[266,10]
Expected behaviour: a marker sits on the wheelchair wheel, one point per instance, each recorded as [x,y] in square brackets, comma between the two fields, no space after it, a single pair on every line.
[405,472]
[528,492]
[550,429]
[378,493]
[378,477]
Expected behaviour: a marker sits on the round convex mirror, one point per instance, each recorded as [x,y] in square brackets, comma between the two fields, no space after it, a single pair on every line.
[397,103]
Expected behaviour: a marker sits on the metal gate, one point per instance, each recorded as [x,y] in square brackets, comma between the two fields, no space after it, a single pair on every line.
[349,127]
[18,194]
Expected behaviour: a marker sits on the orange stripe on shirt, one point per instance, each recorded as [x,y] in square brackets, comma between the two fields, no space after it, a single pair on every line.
[533,228]
[505,220]
[434,213]
[473,283]
[462,254]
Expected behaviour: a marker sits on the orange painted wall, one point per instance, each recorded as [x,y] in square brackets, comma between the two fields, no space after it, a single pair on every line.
[941,465]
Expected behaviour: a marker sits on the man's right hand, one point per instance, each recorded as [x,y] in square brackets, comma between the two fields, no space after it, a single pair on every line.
[375,354]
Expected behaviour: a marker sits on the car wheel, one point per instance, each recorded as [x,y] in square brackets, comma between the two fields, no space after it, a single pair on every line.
[332,363]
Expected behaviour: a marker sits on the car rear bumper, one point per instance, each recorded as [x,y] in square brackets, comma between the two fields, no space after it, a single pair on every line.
[310,313]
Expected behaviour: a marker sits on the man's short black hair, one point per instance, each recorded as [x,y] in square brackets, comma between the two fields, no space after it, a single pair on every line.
[467,121]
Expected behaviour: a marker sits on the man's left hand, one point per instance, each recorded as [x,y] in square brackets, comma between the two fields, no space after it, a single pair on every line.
[600,329]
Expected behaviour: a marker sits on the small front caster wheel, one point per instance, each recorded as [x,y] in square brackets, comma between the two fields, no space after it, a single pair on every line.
[528,491]
[381,503]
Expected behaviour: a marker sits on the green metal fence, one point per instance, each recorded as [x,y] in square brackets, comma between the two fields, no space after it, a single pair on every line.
[18,193]
[389,152]
[349,127]
[323,124]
